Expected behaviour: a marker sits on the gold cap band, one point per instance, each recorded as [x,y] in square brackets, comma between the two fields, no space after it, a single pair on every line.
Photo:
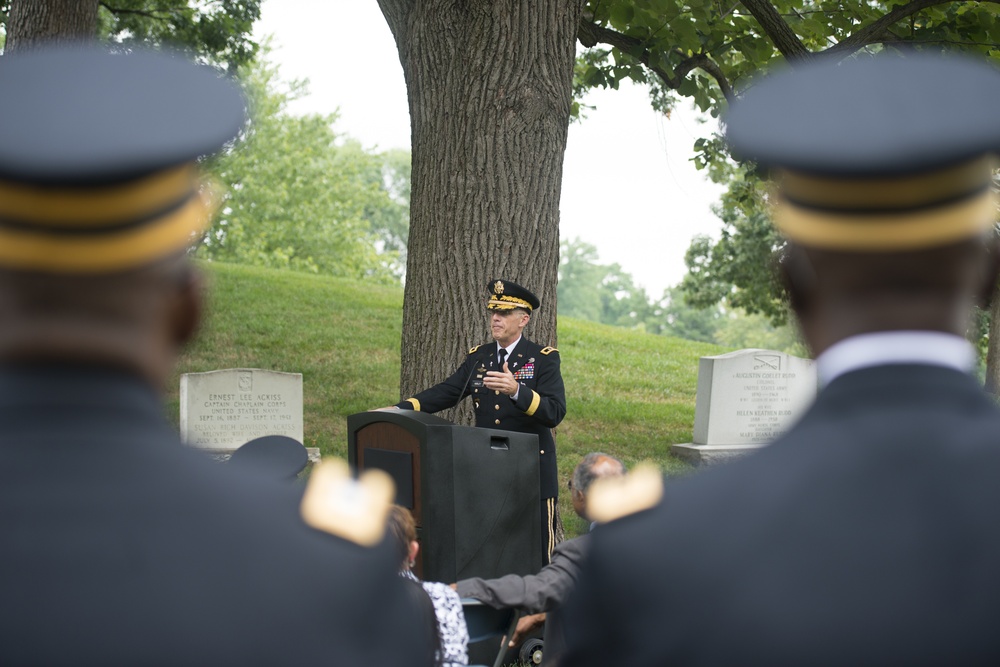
[913,191]
[24,248]
[95,207]
[892,213]
[503,302]
[908,230]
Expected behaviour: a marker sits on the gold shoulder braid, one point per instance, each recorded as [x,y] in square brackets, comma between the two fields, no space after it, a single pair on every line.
[355,510]
[549,350]
[473,350]
[612,498]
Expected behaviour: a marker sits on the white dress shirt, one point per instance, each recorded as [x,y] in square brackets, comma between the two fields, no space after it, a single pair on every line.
[895,347]
[510,350]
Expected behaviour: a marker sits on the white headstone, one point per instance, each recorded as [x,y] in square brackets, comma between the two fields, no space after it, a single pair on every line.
[745,399]
[750,396]
[221,410]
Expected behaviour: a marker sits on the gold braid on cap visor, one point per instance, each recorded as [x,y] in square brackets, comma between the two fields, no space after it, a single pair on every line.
[900,213]
[503,302]
[102,229]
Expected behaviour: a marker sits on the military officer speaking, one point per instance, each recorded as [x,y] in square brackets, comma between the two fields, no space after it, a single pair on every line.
[515,386]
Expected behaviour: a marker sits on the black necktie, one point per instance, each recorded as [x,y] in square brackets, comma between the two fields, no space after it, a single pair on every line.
[501,355]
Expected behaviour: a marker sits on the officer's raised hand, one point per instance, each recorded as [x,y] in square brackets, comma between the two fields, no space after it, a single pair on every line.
[502,381]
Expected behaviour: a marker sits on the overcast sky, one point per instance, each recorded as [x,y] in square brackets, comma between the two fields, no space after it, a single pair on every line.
[629,187]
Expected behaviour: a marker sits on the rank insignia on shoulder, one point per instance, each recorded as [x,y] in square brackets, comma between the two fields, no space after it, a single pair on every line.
[612,498]
[473,350]
[355,510]
[549,350]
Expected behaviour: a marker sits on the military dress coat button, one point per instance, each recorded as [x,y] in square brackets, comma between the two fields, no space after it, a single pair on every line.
[498,422]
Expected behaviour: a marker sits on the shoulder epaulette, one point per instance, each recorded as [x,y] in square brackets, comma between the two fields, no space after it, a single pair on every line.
[473,350]
[354,510]
[611,498]
[549,350]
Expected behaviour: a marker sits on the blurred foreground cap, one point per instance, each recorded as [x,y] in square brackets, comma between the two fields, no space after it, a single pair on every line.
[506,295]
[97,156]
[880,153]
[276,456]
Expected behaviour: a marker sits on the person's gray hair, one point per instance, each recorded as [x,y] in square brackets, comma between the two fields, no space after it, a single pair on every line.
[587,470]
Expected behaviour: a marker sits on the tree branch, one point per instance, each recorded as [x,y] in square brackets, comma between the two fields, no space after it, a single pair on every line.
[148,14]
[873,31]
[780,34]
[591,34]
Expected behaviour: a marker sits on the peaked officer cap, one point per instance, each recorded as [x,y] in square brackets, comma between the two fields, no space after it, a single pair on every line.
[97,156]
[876,153]
[506,295]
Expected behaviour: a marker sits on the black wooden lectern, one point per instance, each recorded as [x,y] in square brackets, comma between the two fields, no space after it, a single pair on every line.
[473,491]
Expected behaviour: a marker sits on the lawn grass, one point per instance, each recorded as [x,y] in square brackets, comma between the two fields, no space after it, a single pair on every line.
[629,393]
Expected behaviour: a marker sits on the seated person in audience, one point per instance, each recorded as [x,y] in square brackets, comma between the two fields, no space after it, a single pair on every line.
[453,635]
[543,592]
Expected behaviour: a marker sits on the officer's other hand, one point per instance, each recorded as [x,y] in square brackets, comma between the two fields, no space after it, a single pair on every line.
[502,381]
[388,408]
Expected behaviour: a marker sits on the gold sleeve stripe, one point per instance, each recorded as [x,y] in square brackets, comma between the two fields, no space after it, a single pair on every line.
[415,403]
[536,400]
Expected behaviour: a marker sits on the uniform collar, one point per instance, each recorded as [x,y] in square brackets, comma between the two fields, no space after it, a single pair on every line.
[932,348]
[509,348]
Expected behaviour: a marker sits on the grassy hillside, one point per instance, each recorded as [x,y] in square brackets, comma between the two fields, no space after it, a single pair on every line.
[629,394]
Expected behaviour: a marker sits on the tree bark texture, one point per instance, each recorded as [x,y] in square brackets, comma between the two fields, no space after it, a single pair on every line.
[35,22]
[489,86]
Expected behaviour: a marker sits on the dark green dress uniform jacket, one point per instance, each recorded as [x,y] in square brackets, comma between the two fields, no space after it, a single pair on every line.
[540,404]
[120,546]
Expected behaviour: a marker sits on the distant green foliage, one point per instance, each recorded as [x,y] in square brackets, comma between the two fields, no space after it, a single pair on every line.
[300,196]
[598,292]
[605,293]
[741,267]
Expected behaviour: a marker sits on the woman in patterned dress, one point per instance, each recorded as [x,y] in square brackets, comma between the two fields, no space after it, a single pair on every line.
[453,635]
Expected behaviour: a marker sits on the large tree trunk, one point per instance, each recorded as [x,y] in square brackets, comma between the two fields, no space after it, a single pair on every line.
[34,22]
[489,84]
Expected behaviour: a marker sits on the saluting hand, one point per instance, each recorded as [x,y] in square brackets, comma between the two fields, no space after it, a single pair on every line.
[502,381]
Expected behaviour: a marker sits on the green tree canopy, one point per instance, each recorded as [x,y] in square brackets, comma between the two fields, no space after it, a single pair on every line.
[598,292]
[300,196]
[216,31]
